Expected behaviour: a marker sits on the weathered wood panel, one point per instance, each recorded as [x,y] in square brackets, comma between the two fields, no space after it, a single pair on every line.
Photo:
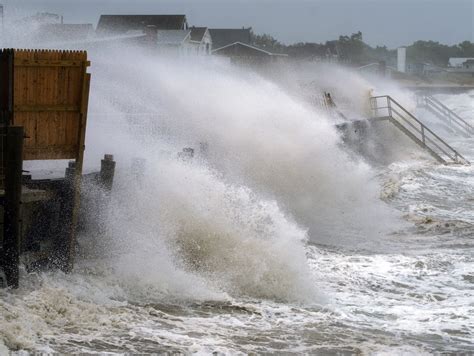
[50,102]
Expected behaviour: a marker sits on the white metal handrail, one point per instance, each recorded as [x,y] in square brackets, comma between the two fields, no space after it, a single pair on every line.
[454,119]
[415,129]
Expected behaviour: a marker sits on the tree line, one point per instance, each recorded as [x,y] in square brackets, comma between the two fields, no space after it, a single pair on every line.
[353,49]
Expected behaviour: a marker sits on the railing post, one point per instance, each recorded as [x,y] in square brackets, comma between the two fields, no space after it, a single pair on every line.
[389,107]
[373,106]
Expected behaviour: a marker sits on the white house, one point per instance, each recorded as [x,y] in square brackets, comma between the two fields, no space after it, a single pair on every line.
[201,38]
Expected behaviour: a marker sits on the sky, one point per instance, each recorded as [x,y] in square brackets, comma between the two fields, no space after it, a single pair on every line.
[382,22]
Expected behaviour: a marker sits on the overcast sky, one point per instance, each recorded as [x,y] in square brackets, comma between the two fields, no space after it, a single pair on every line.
[390,22]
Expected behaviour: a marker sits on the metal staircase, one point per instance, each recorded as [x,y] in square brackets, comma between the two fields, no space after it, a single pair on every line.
[386,108]
[445,114]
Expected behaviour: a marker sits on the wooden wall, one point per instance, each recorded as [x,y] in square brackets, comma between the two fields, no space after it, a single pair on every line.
[50,97]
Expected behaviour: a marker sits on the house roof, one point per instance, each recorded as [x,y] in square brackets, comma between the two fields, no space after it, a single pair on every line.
[223,36]
[458,61]
[197,33]
[232,49]
[124,23]
[173,37]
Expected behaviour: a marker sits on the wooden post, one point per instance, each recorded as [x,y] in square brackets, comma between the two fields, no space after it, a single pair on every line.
[70,171]
[75,187]
[107,171]
[63,243]
[13,151]
[105,180]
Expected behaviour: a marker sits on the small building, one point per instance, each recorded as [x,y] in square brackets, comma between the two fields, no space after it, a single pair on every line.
[224,36]
[461,65]
[458,62]
[244,53]
[201,37]
[110,25]
[469,64]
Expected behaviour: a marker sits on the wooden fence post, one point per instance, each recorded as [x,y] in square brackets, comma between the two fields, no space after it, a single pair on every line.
[107,171]
[13,151]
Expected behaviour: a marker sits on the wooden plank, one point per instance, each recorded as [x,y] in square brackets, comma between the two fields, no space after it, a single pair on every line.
[83,117]
[50,152]
[49,102]
[19,62]
[41,108]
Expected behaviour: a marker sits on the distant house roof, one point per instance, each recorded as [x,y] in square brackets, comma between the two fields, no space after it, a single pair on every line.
[173,37]
[458,61]
[239,49]
[197,33]
[65,32]
[122,23]
[224,36]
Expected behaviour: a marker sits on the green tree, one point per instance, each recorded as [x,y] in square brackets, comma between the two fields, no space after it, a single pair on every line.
[266,42]
[352,47]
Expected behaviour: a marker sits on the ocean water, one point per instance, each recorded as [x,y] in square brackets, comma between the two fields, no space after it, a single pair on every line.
[273,238]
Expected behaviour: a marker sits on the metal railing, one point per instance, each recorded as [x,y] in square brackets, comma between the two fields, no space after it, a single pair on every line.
[385,107]
[446,114]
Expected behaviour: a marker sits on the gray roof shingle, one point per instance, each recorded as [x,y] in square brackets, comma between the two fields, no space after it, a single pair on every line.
[223,36]
[197,33]
[115,24]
